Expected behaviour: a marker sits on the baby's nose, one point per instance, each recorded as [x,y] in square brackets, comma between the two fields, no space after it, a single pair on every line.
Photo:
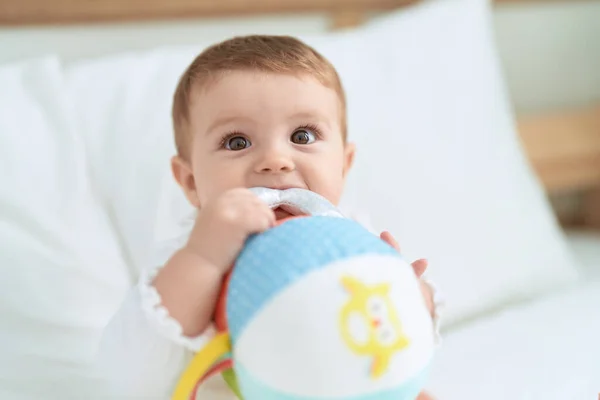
[275,164]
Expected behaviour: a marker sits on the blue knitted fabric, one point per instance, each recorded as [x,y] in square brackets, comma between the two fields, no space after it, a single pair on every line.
[280,256]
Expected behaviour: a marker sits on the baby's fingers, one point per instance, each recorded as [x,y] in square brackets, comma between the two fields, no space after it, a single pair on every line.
[420,266]
[256,218]
[389,239]
[265,218]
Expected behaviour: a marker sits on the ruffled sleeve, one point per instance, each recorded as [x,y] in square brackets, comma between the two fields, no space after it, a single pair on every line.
[159,319]
[438,305]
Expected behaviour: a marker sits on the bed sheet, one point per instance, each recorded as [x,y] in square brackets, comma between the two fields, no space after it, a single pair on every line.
[548,349]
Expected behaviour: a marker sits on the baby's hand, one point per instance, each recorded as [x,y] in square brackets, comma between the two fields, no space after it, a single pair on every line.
[190,282]
[224,224]
[419,266]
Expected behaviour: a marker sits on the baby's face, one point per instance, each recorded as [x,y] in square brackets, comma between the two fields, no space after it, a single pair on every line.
[272,130]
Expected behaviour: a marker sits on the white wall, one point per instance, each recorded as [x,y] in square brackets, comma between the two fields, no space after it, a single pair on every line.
[92,40]
[551,52]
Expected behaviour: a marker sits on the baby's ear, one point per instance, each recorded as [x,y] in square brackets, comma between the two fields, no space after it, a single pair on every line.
[182,172]
[349,152]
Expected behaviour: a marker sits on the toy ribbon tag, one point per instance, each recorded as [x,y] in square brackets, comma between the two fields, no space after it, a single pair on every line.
[297,201]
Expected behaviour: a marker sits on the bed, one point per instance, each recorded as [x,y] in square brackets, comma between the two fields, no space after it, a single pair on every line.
[543,350]
[506,205]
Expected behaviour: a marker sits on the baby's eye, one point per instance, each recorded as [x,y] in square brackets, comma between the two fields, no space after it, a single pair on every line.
[237,143]
[303,136]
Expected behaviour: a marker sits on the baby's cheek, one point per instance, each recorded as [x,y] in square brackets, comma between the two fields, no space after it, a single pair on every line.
[331,189]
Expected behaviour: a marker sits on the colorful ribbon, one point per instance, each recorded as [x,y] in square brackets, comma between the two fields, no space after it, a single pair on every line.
[215,357]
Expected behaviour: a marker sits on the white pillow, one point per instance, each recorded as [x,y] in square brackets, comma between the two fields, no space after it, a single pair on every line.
[440,165]
[424,93]
[62,274]
[123,108]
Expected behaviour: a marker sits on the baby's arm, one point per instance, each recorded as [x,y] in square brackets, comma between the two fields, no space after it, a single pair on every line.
[189,287]
[165,318]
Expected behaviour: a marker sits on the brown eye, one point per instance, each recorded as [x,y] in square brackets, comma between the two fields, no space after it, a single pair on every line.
[303,136]
[237,143]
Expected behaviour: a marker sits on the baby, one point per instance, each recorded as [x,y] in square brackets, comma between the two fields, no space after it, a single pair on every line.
[251,111]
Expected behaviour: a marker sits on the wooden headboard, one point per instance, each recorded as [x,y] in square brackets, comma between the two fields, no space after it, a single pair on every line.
[564,149]
[563,145]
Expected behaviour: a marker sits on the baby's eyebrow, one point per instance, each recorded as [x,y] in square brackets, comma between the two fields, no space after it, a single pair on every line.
[226,120]
[311,116]
[298,117]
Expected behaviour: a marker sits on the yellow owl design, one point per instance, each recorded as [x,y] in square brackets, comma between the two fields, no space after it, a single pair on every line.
[369,323]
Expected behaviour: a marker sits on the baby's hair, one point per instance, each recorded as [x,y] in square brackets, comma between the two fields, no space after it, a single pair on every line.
[263,53]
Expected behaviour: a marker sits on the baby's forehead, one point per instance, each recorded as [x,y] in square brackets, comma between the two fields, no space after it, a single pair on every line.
[242,92]
[240,80]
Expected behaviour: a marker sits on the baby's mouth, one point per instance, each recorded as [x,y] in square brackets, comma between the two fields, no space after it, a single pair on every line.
[280,214]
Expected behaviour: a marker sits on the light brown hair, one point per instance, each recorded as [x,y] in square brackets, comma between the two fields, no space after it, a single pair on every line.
[264,53]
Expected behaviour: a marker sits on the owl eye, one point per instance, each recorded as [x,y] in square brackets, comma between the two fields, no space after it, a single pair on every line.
[376,307]
[386,334]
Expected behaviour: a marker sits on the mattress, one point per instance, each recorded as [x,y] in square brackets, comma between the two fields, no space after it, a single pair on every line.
[548,349]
